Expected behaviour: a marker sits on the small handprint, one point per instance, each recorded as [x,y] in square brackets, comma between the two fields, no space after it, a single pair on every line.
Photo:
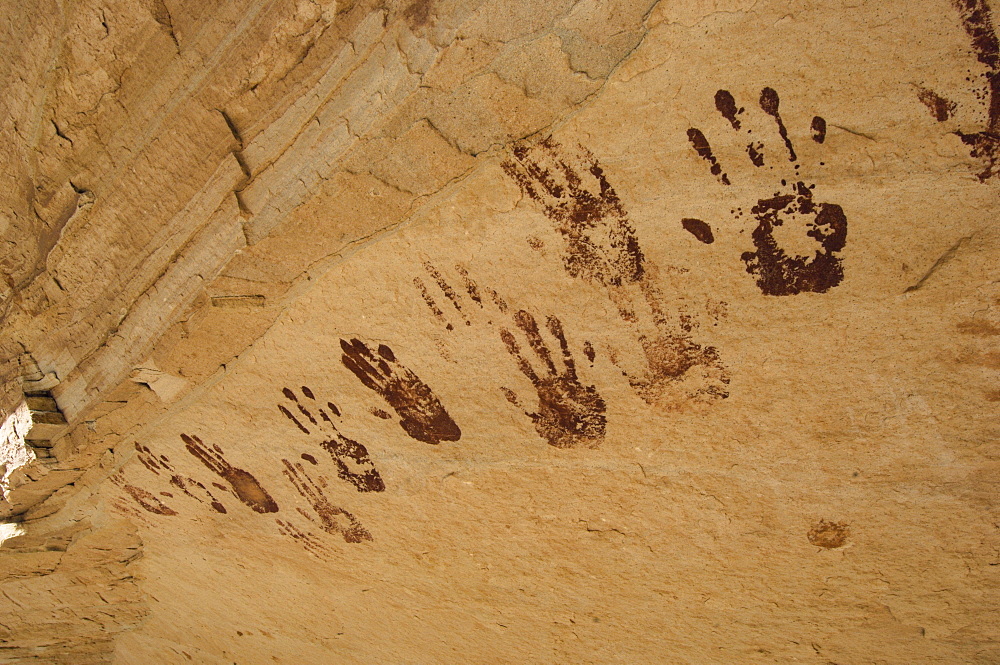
[307,539]
[185,484]
[146,500]
[330,516]
[421,413]
[678,371]
[246,488]
[797,240]
[600,243]
[354,465]
[570,414]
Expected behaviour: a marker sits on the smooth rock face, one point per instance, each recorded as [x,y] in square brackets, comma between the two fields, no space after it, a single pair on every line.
[485,331]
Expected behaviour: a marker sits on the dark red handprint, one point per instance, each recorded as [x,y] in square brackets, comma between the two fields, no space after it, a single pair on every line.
[421,413]
[246,488]
[354,464]
[570,414]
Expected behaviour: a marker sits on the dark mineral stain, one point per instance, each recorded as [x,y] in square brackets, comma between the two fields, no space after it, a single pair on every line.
[769,103]
[600,243]
[246,488]
[379,413]
[818,129]
[777,273]
[332,518]
[699,230]
[726,105]
[309,458]
[588,350]
[148,501]
[940,108]
[975,15]
[570,414]
[418,14]
[421,413]
[704,150]
[830,535]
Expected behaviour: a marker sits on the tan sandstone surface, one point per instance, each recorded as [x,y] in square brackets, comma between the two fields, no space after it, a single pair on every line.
[500,331]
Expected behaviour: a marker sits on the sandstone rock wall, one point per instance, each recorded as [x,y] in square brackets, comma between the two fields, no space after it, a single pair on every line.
[489,331]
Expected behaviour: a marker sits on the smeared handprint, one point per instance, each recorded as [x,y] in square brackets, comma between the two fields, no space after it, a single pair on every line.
[600,243]
[307,539]
[185,484]
[421,413]
[332,519]
[797,239]
[678,370]
[354,465]
[146,500]
[569,414]
[246,488]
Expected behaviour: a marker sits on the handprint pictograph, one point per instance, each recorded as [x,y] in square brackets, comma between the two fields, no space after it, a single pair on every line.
[332,519]
[421,413]
[307,539]
[354,465]
[569,413]
[984,145]
[797,240]
[600,243]
[679,370]
[189,486]
[246,488]
[145,499]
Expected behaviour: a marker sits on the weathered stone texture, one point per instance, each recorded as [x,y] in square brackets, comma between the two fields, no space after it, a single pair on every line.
[497,331]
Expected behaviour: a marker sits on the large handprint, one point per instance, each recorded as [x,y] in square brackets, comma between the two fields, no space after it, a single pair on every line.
[797,239]
[570,414]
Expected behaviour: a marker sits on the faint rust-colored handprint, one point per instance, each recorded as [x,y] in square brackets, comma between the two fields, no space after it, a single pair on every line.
[421,413]
[307,539]
[185,484]
[600,243]
[331,517]
[246,488]
[569,414]
[146,500]
[354,464]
